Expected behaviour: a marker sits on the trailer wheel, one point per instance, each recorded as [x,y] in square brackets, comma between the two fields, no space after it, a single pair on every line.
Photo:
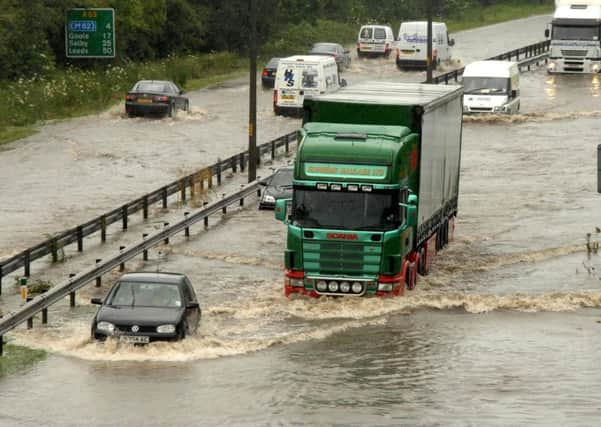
[422,265]
[445,234]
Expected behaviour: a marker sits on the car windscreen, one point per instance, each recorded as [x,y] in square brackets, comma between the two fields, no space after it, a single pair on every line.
[366,32]
[346,210]
[151,87]
[567,32]
[145,294]
[379,33]
[282,178]
[485,85]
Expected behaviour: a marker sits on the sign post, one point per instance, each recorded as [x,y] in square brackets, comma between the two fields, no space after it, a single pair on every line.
[90,33]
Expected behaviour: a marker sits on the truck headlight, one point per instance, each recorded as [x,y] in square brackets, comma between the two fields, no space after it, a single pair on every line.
[497,109]
[551,66]
[322,286]
[166,329]
[596,68]
[333,286]
[297,283]
[357,287]
[345,287]
[269,199]
[107,327]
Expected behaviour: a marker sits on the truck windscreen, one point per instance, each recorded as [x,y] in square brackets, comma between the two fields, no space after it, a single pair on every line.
[485,85]
[377,211]
[570,32]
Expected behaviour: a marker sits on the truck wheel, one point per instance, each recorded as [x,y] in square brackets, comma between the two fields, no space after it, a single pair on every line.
[445,234]
[411,276]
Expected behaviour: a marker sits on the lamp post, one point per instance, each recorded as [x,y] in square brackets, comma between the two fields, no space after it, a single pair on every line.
[252,116]
[429,63]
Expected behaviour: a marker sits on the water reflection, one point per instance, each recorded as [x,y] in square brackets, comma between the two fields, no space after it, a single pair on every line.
[551,87]
[596,86]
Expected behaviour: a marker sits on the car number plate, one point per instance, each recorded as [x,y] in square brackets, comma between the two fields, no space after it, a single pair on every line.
[288,97]
[408,52]
[134,339]
[144,100]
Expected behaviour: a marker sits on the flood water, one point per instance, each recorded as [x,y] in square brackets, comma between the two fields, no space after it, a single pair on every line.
[506,330]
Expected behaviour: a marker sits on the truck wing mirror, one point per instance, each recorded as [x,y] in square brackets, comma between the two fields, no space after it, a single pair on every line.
[547,33]
[96,301]
[411,207]
[514,93]
[281,210]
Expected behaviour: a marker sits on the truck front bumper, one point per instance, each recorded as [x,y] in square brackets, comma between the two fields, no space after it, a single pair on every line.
[574,65]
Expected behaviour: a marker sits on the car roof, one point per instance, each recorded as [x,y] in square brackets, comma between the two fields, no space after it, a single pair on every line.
[154,277]
[154,82]
[326,44]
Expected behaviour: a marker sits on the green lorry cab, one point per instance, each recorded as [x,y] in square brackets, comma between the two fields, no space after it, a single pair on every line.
[376,181]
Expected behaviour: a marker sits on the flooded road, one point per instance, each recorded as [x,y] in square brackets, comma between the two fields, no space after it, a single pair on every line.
[504,331]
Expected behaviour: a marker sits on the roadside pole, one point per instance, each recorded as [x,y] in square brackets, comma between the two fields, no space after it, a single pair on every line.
[252,120]
[429,64]
[599,168]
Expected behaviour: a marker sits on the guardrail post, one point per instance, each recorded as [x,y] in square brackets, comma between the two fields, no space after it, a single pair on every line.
[165,225]
[145,207]
[0,284]
[164,197]
[234,165]
[218,172]
[241,162]
[27,263]
[44,316]
[287,144]
[242,201]
[183,189]
[187,229]
[79,239]
[210,180]
[72,299]
[122,265]
[54,249]
[272,150]
[103,228]
[145,253]
[124,216]
[99,278]
[599,168]
[30,320]
[1,345]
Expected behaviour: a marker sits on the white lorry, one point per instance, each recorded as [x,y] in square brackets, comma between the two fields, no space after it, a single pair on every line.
[412,44]
[491,87]
[575,37]
[303,76]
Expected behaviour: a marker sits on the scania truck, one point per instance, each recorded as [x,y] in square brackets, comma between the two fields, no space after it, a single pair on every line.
[575,37]
[376,181]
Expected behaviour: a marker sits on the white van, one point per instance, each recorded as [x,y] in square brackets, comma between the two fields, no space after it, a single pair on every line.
[375,39]
[300,76]
[491,87]
[412,44]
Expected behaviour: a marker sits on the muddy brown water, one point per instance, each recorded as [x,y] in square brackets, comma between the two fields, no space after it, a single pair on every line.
[504,331]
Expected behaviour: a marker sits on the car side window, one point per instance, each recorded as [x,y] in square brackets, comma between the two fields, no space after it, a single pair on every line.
[189,291]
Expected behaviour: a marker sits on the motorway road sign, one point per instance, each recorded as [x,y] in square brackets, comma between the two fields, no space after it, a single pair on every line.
[90,33]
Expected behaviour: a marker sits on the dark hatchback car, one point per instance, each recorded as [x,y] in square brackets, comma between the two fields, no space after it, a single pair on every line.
[268,74]
[279,186]
[155,97]
[144,307]
[340,54]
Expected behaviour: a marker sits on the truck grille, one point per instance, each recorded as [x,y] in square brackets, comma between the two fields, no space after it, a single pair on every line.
[341,258]
[573,52]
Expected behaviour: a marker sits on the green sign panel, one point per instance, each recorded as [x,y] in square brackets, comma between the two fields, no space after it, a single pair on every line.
[90,33]
[335,170]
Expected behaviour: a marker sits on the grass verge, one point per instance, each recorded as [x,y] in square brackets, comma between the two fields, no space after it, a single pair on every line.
[17,358]
[12,133]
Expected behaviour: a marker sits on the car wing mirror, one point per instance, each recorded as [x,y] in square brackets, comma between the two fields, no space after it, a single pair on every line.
[96,301]
[192,305]
[342,83]
[547,33]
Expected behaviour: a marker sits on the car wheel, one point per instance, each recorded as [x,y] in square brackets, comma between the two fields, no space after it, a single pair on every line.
[187,106]
[183,331]
[170,110]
